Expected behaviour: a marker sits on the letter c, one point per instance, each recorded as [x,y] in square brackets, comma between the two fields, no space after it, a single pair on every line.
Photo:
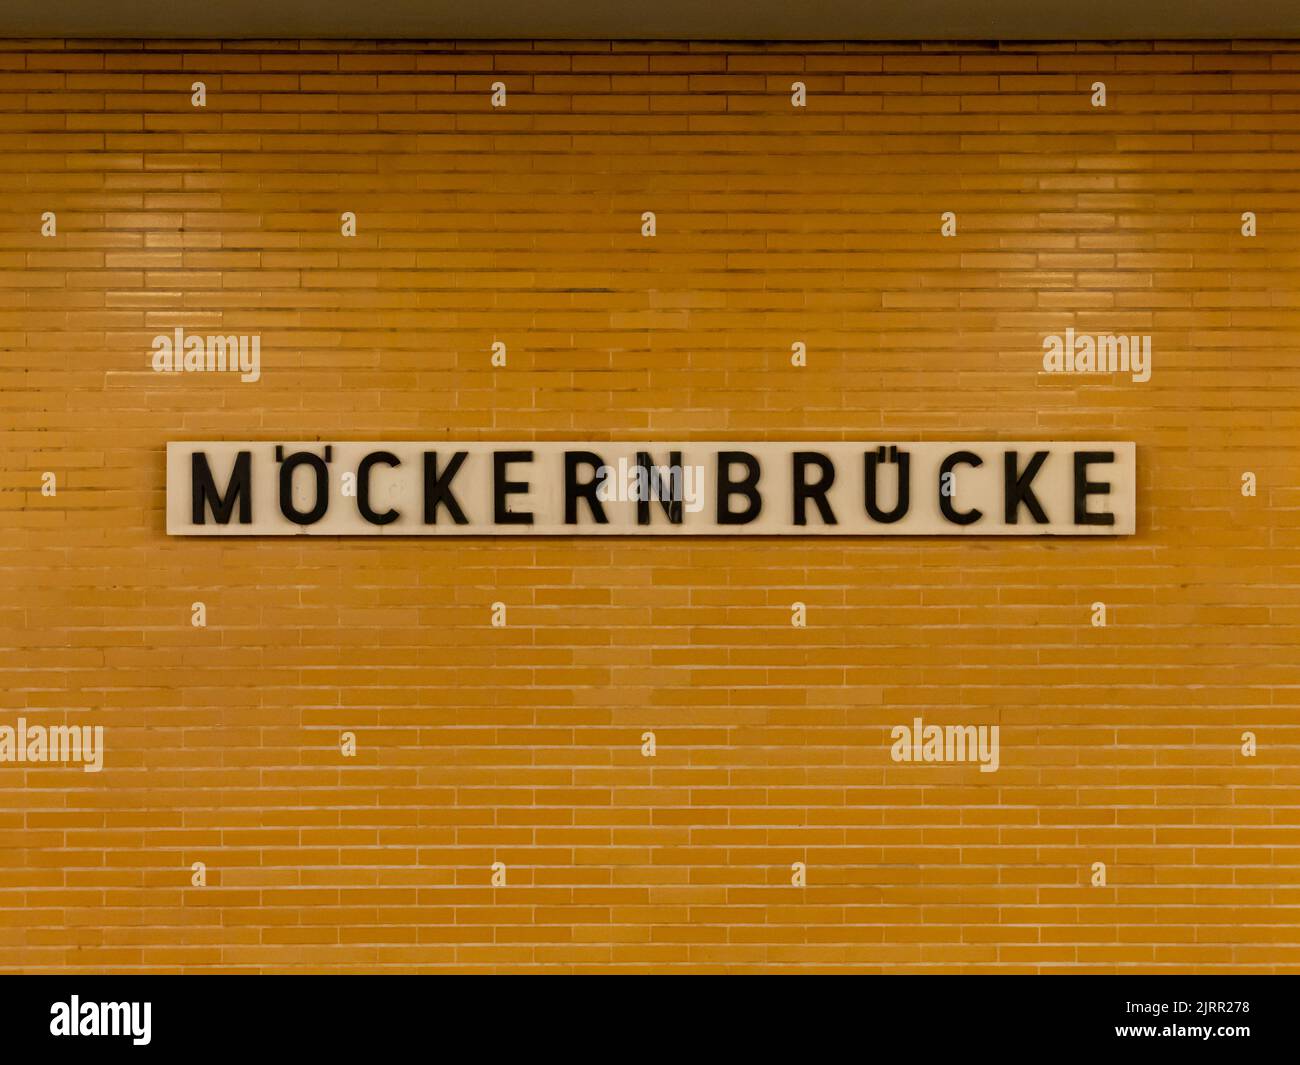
[363,487]
[958,517]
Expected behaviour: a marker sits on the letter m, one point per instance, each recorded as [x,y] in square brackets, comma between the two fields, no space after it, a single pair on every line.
[1112,353]
[204,490]
[117,1018]
[218,347]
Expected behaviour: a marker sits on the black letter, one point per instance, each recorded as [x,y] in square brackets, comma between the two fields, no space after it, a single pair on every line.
[958,517]
[363,486]
[1083,488]
[672,503]
[1016,488]
[803,491]
[437,489]
[502,488]
[573,488]
[904,461]
[203,490]
[287,466]
[727,488]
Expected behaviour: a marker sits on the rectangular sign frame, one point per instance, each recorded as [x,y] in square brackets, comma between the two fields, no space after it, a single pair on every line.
[651,488]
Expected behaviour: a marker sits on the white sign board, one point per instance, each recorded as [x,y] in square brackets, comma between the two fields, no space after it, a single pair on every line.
[652,488]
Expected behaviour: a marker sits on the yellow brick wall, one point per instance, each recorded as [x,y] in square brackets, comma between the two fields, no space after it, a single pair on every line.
[522,745]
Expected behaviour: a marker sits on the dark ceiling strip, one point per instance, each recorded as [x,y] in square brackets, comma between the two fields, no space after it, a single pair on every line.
[714,20]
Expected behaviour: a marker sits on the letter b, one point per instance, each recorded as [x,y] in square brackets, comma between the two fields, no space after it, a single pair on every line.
[748,487]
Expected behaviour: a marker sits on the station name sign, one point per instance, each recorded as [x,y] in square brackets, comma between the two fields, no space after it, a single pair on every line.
[652,488]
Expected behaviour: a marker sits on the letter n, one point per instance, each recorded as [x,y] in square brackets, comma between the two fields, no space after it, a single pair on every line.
[204,490]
